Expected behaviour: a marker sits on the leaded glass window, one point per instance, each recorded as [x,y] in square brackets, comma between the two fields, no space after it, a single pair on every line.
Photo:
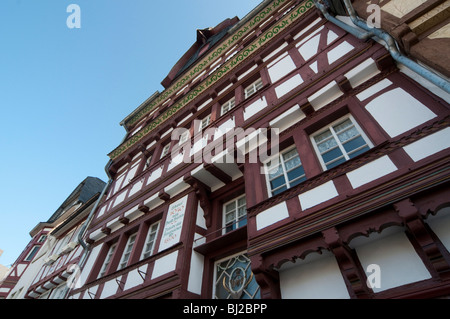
[234,279]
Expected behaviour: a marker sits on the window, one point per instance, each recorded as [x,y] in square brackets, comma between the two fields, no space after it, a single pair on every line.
[150,241]
[184,137]
[205,122]
[148,161]
[339,142]
[42,238]
[107,260]
[234,279]
[288,173]
[235,214]
[32,253]
[127,252]
[165,150]
[227,106]
[253,88]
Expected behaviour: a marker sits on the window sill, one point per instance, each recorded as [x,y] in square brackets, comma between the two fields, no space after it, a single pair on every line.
[223,241]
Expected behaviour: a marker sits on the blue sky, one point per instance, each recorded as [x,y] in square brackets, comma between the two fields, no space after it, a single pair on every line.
[63,92]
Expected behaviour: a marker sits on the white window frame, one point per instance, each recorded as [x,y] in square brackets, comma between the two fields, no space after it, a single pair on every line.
[205,122]
[151,231]
[107,260]
[127,251]
[42,238]
[253,88]
[236,217]
[227,106]
[336,138]
[165,150]
[184,137]
[283,166]
[33,252]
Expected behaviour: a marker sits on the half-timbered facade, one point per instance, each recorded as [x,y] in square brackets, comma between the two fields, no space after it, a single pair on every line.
[286,158]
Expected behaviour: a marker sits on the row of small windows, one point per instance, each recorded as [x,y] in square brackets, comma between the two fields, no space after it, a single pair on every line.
[147,250]
[335,144]
[225,108]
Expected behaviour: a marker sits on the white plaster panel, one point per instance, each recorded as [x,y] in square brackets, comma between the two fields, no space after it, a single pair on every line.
[165,264]
[200,221]
[371,171]
[307,28]
[339,51]
[136,187]
[309,48]
[397,112]
[288,118]
[109,288]
[316,277]
[429,145]
[20,268]
[373,89]
[362,73]
[325,95]
[90,292]
[281,68]
[440,224]
[89,263]
[196,273]
[120,198]
[288,85]
[271,216]
[134,278]
[318,195]
[155,175]
[394,254]
[254,108]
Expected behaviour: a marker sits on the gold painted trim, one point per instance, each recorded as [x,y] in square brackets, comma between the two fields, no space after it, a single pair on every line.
[210,59]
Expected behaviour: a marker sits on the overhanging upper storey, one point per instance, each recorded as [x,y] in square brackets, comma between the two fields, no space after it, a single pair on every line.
[194,76]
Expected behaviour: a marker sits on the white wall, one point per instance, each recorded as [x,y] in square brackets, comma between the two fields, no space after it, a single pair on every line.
[394,254]
[316,277]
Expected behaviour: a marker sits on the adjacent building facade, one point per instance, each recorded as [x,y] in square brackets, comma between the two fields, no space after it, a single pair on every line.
[52,256]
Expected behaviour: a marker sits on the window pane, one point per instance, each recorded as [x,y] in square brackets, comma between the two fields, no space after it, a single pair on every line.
[275,172]
[293,163]
[278,191]
[280,181]
[334,164]
[332,154]
[327,144]
[342,126]
[323,136]
[242,211]
[354,144]
[296,173]
[229,217]
[242,221]
[241,201]
[230,207]
[348,134]
[360,151]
